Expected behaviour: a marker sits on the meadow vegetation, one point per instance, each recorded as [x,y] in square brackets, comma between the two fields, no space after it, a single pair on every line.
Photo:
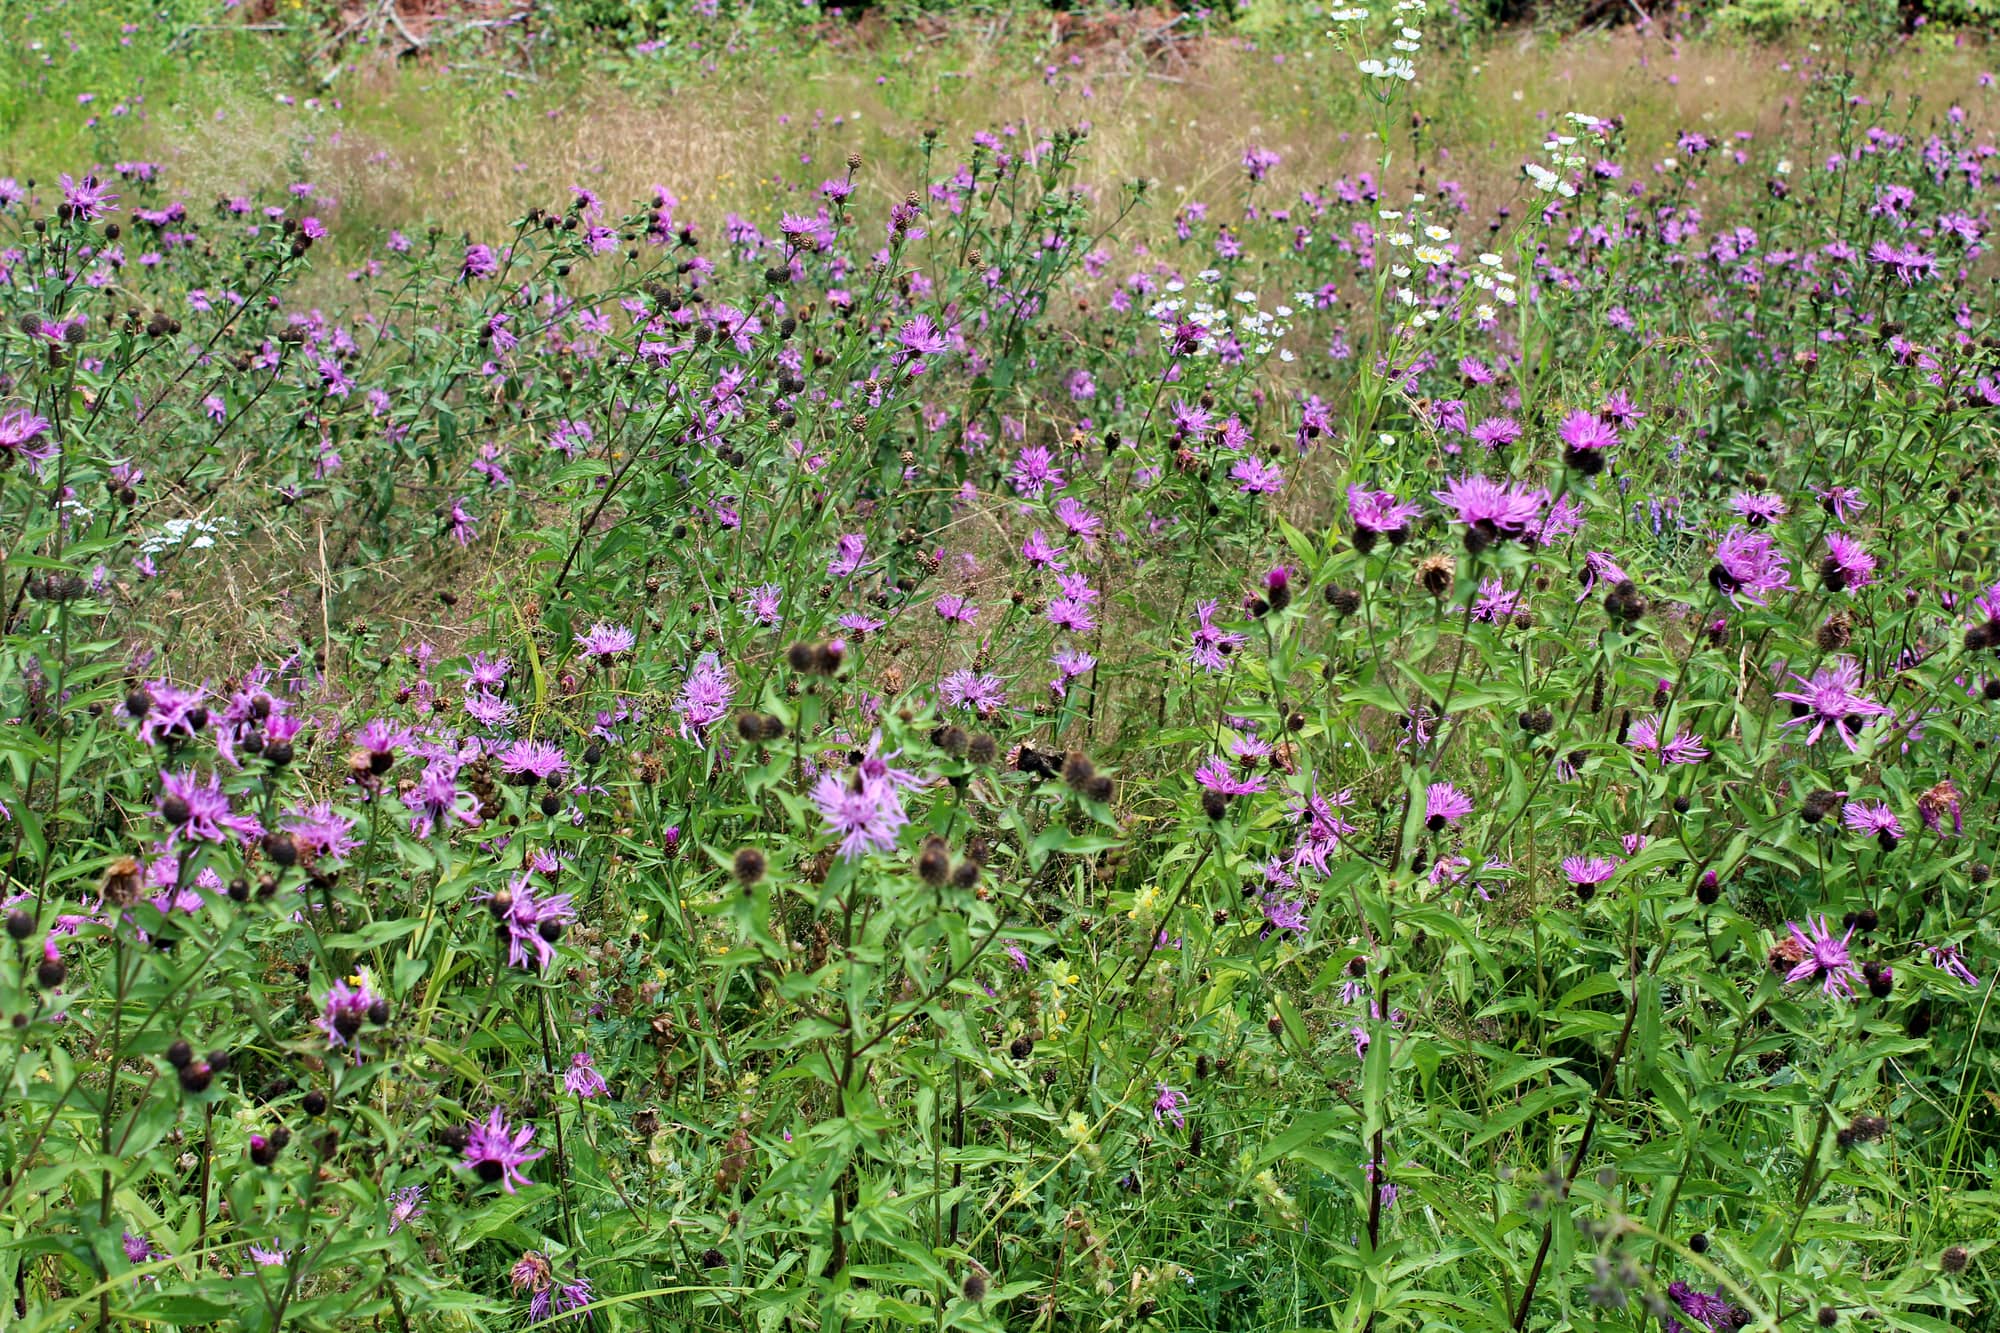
[727,666]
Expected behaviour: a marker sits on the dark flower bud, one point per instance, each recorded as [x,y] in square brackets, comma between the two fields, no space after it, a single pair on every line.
[378,1012]
[180,1054]
[1828,1316]
[800,656]
[1979,873]
[138,703]
[774,729]
[982,748]
[263,1151]
[195,1076]
[1818,806]
[1214,804]
[750,726]
[1536,721]
[1954,1259]
[314,1103]
[551,931]
[1099,788]
[550,805]
[712,1258]
[965,874]
[174,809]
[239,889]
[51,973]
[1021,1047]
[19,924]
[1698,1242]
[1881,982]
[1077,768]
[500,904]
[281,849]
[750,866]
[1682,805]
[1344,601]
[934,862]
[1708,889]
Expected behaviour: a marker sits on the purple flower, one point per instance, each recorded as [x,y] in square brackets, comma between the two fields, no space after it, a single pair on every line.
[1255,476]
[1378,513]
[1948,960]
[435,798]
[848,556]
[86,200]
[1259,161]
[1585,434]
[953,608]
[1212,646]
[172,715]
[405,1205]
[1749,563]
[865,813]
[606,640]
[536,761]
[1848,563]
[1684,748]
[1217,776]
[1822,958]
[1873,818]
[982,692]
[478,262]
[1444,804]
[1035,472]
[533,924]
[1040,553]
[582,1079]
[497,1151]
[199,811]
[1490,510]
[1713,1312]
[1170,1105]
[1588,870]
[705,696]
[267,1257]
[18,429]
[345,1010]
[1757,509]
[762,602]
[1830,699]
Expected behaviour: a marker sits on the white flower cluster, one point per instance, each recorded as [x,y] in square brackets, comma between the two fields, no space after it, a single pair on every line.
[196,534]
[1257,330]
[1408,41]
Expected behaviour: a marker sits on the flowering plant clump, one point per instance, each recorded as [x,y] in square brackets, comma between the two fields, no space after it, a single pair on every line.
[932,738]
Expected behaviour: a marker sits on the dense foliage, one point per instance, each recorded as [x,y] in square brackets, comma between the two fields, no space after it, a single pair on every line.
[976,747]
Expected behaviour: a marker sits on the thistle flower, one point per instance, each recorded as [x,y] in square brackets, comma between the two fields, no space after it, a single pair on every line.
[1216,776]
[1444,805]
[1822,958]
[1873,818]
[1378,514]
[1212,646]
[496,1151]
[1491,510]
[1848,563]
[1586,439]
[1588,871]
[405,1205]
[865,814]
[1831,699]
[1750,564]
[1170,1105]
[1947,959]
[1684,748]
[581,1079]
[346,1008]
[604,640]
[705,697]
